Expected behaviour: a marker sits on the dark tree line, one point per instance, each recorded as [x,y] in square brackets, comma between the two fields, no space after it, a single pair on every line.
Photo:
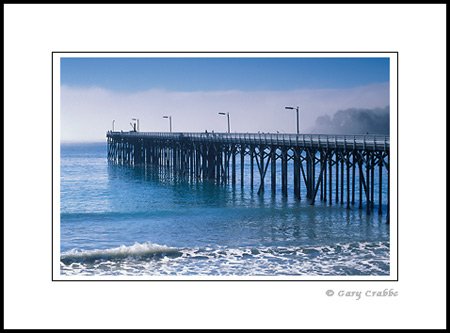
[355,121]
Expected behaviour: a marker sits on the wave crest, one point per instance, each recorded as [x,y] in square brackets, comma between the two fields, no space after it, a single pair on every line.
[147,249]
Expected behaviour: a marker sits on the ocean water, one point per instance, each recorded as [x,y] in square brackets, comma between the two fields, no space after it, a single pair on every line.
[140,221]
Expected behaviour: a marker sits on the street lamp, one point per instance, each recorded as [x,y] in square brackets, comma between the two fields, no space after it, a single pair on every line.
[135,119]
[170,121]
[298,122]
[228,116]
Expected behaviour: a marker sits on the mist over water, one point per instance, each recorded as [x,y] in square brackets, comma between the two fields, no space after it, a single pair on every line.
[140,221]
[355,121]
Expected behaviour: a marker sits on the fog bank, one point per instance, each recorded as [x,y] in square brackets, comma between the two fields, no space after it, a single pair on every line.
[355,121]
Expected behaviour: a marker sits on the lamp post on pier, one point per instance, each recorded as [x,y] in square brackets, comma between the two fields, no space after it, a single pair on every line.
[228,116]
[298,121]
[170,122]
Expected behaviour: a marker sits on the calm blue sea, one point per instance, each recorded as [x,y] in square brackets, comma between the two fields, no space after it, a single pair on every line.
[135,221]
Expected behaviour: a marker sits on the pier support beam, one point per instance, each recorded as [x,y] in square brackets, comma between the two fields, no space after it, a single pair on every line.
[380,183]
[330,168]
[252,154]
[242,164]
[273,170]
[296,174]
[284,171]
[233,165]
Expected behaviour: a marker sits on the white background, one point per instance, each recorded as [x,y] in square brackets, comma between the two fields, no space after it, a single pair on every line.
[33,32]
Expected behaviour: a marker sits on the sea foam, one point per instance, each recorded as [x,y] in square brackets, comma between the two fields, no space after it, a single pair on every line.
[338,259]
[137,250]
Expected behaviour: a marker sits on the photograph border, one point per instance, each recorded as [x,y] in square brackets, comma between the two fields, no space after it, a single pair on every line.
[231,278]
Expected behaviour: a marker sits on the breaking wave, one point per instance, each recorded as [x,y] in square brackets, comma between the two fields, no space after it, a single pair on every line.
[145,250]
[149,259]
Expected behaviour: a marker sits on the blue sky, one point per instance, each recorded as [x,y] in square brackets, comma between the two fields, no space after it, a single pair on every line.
[193,90]
[211,74]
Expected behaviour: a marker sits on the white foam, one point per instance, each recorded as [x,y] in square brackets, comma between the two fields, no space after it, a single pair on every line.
[137,249]
[231,261]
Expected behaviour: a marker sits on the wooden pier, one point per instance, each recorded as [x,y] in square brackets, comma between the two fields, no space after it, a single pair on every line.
[315,158]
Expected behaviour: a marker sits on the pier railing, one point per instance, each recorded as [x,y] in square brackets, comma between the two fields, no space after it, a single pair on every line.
[366,142]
